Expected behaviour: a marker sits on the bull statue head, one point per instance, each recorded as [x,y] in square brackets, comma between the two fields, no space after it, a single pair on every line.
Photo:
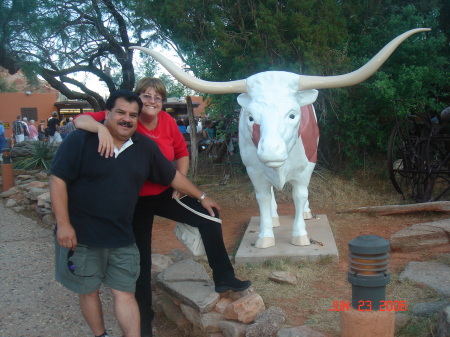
[278,132]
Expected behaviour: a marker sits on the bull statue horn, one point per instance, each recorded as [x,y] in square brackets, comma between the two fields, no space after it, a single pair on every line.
[357,76]
[305,81]
[207,87]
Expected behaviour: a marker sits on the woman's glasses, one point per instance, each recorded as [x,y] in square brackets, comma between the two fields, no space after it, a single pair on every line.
[156,99]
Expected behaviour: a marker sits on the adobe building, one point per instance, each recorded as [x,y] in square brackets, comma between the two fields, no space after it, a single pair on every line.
[32,101]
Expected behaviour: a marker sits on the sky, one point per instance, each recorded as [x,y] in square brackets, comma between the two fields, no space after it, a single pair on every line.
[94,84]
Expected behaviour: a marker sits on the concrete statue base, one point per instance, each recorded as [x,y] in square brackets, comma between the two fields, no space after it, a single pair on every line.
[319,231]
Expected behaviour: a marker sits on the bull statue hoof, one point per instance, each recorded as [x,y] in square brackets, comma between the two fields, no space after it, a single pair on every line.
[300,240]
[275,222]
[307,215]
[265,242]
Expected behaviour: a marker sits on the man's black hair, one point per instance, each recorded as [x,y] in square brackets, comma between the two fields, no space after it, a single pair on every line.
[127,95]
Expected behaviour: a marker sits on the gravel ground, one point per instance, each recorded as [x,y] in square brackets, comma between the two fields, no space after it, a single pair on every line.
[32,303]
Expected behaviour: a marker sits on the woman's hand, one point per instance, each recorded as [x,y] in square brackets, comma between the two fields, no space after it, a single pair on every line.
[105,142]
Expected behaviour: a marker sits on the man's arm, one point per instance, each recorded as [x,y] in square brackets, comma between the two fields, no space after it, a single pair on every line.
[106,142]
[65,233]
[184,185]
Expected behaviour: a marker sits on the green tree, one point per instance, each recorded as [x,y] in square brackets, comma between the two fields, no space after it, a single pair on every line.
[59,39]
[356,122]
[230,40]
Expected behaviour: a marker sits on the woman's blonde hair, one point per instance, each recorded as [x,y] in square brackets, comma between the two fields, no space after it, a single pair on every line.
[150,82]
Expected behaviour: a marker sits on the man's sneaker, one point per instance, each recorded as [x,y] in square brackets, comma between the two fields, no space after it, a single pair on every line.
[232,284]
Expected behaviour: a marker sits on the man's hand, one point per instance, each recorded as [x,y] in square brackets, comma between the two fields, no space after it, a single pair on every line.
[105,142]
[66,237]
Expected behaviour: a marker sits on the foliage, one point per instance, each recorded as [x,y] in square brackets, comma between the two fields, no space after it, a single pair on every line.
[59,40]
[356,122]
[230,40]
[41,158]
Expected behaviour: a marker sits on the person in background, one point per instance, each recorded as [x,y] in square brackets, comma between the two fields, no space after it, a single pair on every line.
[63,130]
[2,138]
[41,130]
[159,199]
[181,126]
[53,125]
[18,130]
[70,126]
[33,131]
[26,131]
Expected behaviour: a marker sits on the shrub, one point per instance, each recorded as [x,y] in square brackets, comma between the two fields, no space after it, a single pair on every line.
[41,158]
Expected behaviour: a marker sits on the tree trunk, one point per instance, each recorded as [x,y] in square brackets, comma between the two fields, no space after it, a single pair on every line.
[438,206]
[193,134]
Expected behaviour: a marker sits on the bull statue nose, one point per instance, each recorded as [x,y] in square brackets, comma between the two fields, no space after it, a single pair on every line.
[272,152]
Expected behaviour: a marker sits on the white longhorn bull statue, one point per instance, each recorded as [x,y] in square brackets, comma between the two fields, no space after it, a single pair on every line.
[278,132]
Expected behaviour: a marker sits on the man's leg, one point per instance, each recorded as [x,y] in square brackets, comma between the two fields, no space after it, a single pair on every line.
[91,308]
[127,313]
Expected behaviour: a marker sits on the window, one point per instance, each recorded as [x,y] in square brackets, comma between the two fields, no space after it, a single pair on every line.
[30,113]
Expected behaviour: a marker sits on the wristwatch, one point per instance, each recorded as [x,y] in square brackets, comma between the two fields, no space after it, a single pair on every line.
[202,197]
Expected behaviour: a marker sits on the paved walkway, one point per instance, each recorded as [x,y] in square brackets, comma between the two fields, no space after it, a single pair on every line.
[32,303]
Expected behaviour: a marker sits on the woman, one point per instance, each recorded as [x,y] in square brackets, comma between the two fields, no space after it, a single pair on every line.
[33,133]
[156,199]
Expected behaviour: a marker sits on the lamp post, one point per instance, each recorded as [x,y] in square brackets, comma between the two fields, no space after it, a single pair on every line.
[369,274]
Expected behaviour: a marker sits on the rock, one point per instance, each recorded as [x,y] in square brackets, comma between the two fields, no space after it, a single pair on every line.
[421,236]
[159,263]
[41,175]
[173,312]
[10,192]
[39,184]
[283,277]
[299,331]
[49,220]
[206,322]
[433,274]
[245,309]
[429,308]
[267,323]
[443,325]
[11,203]
[233,329]
[188,281]
[222,305]
[401,319]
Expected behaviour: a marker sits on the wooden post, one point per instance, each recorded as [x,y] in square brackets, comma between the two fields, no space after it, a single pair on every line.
[193,134]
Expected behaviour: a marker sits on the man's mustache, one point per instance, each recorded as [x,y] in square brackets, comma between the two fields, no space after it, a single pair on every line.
[128,125]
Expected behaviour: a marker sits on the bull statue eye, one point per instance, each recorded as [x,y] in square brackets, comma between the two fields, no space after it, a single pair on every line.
[251,119]
[292,116]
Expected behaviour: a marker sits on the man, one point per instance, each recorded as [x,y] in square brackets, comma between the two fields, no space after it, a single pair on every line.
[53,126]
[70,126]
[26,130]
[93,199]
[18,130]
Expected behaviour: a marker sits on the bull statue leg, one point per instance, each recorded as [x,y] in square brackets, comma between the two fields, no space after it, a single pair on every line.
[273,210]
[307,214]
[264,197]
[299,234]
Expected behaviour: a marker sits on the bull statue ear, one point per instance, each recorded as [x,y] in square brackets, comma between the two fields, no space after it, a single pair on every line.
[244,100]
[306,97]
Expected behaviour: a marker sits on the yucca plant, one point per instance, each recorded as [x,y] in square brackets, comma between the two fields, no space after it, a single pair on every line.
[41,158]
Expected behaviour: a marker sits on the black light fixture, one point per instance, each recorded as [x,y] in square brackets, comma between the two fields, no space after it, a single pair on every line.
[368,271]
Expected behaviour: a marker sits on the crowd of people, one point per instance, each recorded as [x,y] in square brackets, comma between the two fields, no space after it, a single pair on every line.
[137,147]
[54,130]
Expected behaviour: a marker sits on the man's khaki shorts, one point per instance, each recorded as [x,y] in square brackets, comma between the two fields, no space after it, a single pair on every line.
[86,268]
